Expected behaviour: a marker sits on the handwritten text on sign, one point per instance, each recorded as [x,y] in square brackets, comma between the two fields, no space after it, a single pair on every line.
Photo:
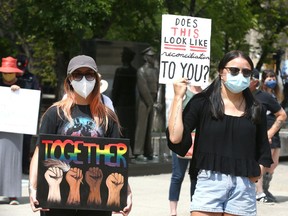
[185,49]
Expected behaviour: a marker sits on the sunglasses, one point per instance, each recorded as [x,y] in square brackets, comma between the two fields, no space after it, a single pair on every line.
[234,71]
[90,76]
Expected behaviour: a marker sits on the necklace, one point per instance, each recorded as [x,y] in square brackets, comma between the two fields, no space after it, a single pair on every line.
[238,107]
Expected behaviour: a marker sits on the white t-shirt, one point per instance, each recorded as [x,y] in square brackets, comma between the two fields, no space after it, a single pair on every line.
[108,102]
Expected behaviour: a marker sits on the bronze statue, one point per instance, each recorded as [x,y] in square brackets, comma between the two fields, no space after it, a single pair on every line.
[147,86]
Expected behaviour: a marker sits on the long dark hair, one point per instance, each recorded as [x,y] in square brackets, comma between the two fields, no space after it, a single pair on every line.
[213,92]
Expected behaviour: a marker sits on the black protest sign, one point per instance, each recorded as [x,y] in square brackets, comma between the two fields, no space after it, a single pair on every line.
[82,172]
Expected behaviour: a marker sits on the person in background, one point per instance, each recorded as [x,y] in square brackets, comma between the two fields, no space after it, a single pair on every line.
[180,164]
[31,82]
[124,95]
[231,146]
[284,76]
[85,104]
[10,143]
[268,95]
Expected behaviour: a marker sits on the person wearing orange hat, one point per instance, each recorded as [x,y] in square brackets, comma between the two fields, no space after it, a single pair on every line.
[9,72]
[10,143]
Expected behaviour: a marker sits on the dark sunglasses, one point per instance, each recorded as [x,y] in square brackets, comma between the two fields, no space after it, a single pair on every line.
[234,71]
[90,76]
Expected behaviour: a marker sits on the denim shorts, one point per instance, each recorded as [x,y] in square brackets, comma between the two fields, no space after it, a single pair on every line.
[216,192]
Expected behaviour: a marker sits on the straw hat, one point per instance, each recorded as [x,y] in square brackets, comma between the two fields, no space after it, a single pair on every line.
[9,65]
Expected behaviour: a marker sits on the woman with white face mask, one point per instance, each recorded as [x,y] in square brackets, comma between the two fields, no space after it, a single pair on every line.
[231,147]
[70,116]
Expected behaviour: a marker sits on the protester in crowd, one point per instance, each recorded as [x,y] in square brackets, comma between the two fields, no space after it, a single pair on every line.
[80,103]
[284,76]
[180,164]
[269,96]
[231,146]
[31,82]
[147,85]
[10,143]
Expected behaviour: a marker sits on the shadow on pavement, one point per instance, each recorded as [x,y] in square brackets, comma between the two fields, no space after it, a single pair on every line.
[23,200]
[281,199]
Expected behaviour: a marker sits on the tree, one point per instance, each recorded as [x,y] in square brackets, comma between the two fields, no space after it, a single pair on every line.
[271,22]
[64,24]
[50,32]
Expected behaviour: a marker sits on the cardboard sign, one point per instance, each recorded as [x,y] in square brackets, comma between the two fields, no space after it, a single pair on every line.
[19,110]
[185,49]
[82,172]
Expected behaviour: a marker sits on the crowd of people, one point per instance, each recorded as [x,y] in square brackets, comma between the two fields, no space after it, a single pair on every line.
[227,133]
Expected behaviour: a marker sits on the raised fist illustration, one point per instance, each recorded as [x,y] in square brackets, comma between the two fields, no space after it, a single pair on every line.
[114,182]
[94,178]
[54,176]
[74,178]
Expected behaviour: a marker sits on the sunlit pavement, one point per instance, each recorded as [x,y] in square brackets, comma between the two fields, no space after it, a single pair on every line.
[150,196]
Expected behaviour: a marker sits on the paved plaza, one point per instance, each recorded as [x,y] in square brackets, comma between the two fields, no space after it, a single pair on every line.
[150,196]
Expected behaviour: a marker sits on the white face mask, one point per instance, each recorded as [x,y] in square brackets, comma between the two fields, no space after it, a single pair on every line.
[83,87]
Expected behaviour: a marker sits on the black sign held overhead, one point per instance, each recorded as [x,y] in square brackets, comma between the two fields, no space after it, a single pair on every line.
[82,172]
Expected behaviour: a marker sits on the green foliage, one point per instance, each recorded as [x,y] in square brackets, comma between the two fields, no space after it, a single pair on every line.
[137,21]
[44,62]
[47,29]
[271,20]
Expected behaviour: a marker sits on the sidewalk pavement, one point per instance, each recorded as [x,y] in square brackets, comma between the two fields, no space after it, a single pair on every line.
[150,196]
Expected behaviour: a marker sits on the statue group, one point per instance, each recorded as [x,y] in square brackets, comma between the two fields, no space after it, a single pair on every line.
[139,102]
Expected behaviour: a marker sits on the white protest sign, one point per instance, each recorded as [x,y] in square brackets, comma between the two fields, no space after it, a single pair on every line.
[19,110]
[185,49]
